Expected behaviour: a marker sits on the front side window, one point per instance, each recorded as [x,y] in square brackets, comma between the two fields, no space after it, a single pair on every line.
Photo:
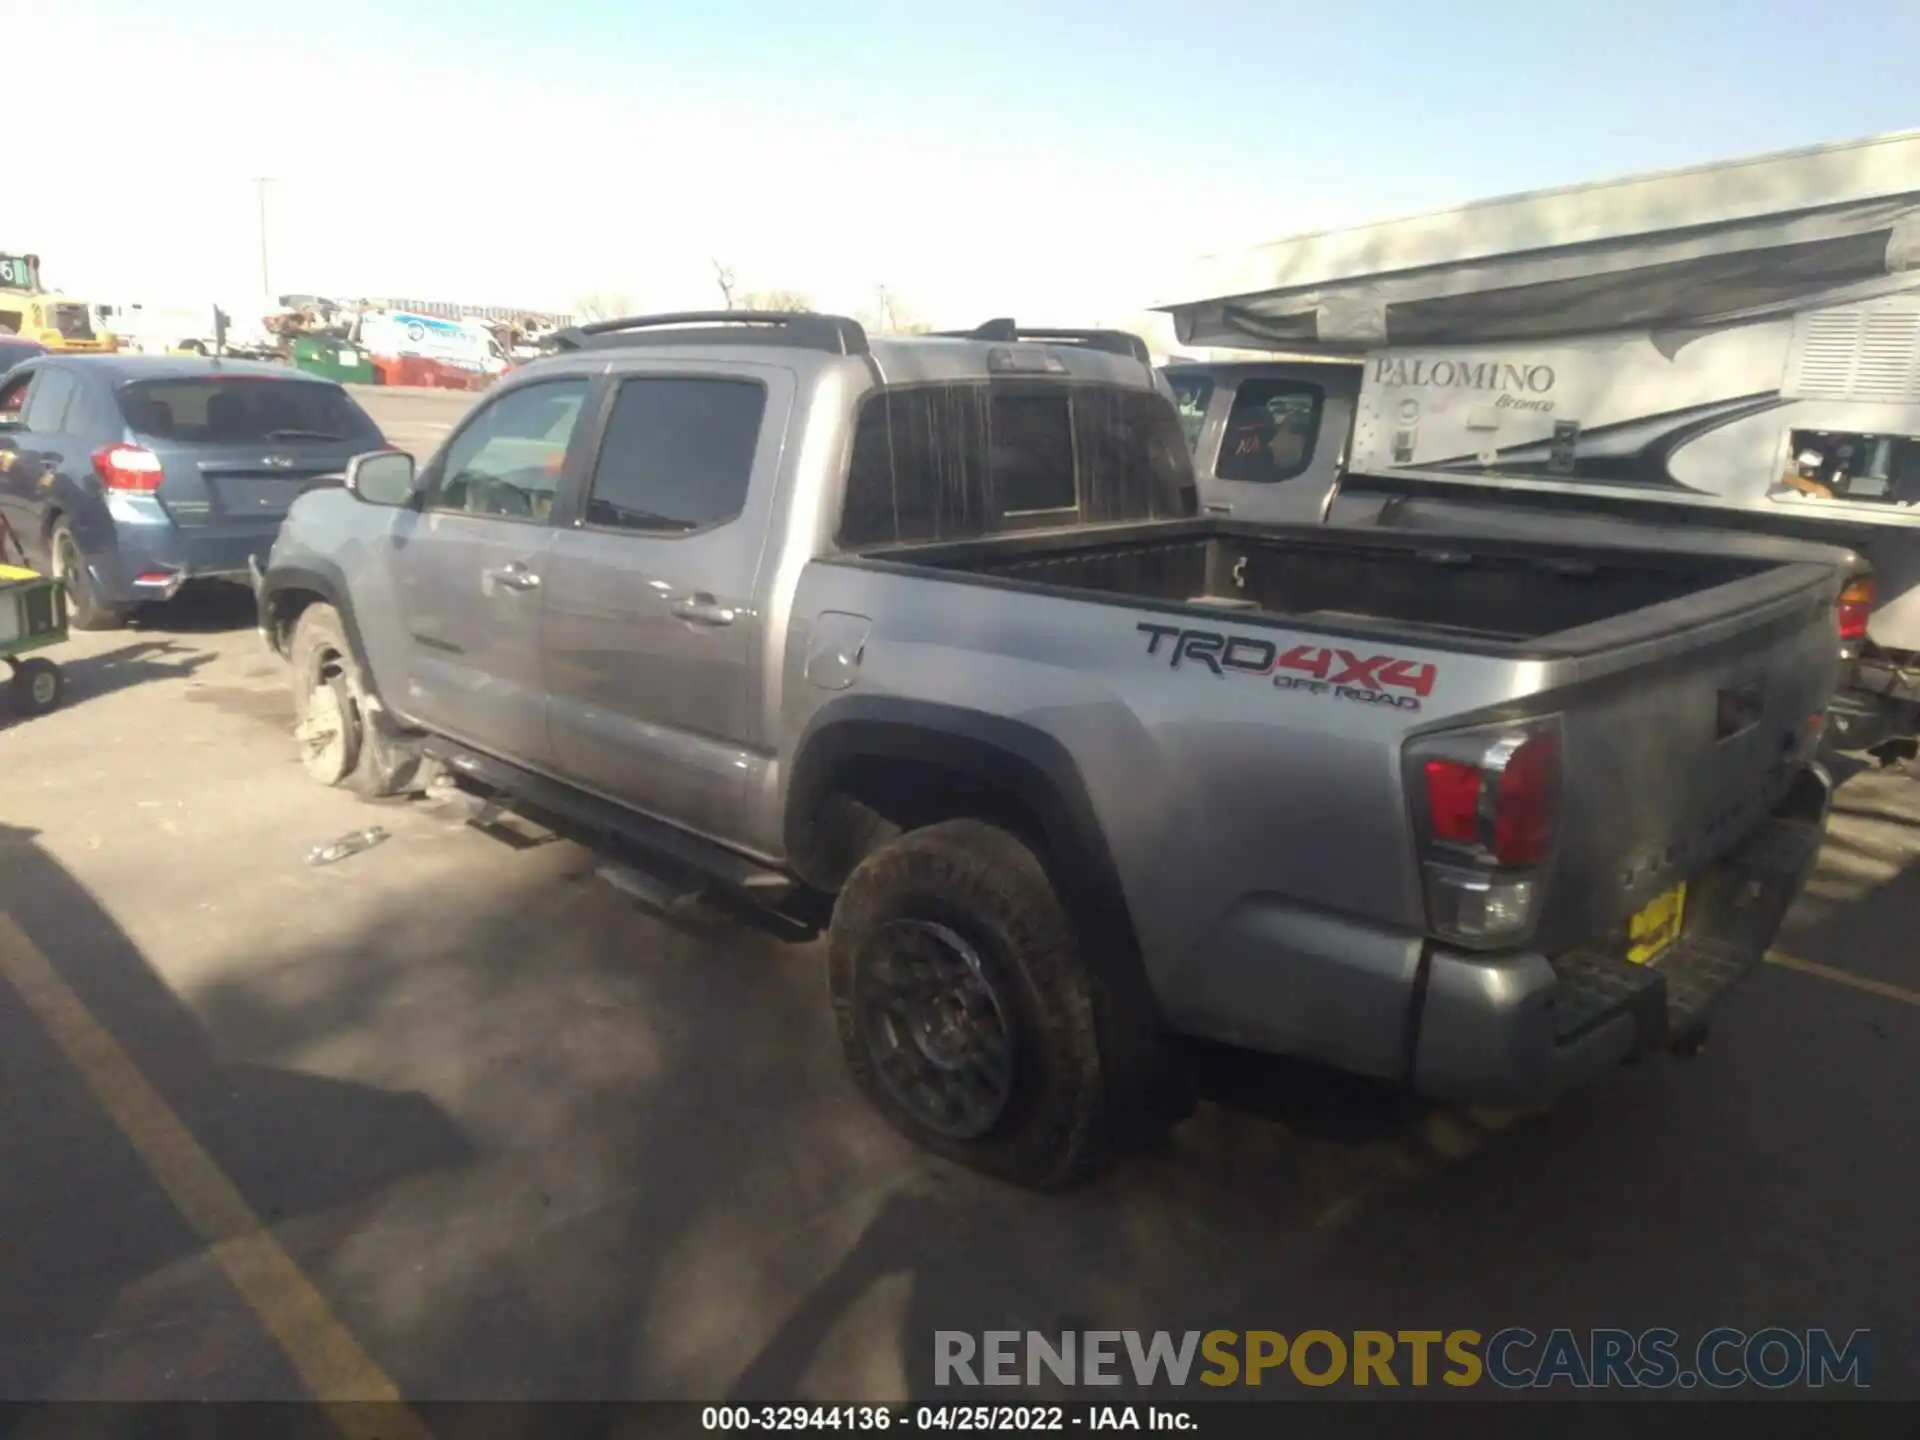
[506,461]
[1270,431]
[677,454]
[1849,465]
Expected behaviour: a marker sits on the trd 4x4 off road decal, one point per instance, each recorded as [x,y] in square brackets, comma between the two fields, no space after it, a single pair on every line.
[1315,669]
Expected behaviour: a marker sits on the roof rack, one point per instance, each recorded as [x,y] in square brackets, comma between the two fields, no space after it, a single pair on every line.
[1113,342]
[802,330]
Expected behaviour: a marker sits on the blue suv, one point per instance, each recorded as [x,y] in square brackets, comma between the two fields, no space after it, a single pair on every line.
[129,476]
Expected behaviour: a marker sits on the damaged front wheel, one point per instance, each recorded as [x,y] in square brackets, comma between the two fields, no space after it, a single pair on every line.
[344,742]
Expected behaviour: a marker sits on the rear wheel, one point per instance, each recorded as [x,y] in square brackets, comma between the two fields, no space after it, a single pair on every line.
[344,740]
[966,1010]
[85,611]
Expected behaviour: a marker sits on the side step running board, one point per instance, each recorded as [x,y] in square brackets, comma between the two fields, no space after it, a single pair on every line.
[663,843]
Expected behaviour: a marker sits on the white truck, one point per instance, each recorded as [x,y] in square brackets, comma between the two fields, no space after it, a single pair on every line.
[1733,348]
[193,329]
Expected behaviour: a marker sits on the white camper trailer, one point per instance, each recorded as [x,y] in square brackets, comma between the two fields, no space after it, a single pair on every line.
[1730,348]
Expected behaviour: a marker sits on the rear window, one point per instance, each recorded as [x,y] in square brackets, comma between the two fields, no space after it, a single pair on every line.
[947,462]
[243,410]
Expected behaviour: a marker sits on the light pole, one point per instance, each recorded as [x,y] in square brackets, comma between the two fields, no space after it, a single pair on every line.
[266,286]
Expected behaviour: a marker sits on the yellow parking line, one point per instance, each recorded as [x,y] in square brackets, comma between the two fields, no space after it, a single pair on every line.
[327,1357]
[1844,977]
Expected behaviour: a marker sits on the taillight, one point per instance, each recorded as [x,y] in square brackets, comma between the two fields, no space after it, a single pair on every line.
[127,467]
[1485,818]
[1855,609]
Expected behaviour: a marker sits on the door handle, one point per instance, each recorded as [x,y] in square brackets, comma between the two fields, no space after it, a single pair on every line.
[513,575]
[1217,509]
[702,610]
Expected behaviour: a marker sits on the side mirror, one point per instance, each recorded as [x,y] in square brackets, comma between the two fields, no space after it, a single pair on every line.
[381,477]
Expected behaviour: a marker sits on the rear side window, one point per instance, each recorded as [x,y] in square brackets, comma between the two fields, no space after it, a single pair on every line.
[677,454]
[946,462]
[1270,431]
[47,405]
[13,352]
[243,410]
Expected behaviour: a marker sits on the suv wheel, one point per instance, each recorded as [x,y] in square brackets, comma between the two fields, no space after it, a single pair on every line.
[965,1009]
[343,740]
[84,610]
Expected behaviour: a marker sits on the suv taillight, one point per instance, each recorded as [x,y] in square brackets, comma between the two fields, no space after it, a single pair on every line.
[127,467]
[1486,804]
[1855,609]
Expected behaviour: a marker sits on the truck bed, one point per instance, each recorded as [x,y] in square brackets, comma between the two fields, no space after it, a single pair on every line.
[1481,594]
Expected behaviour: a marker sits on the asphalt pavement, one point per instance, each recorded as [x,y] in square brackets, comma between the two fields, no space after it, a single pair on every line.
[454,1119]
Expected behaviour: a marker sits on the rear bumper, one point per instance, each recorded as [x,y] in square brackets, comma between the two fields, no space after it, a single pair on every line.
[1879,705]
[1520,1029]
[152,562]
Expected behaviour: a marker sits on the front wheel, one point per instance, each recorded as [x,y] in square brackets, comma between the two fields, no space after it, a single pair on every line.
[966,1010]
[344,741]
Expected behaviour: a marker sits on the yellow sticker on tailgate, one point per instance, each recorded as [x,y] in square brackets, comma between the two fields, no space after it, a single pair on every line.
[1651,933]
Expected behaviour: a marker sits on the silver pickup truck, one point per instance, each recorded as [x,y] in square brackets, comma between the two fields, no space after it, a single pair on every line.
[927,635]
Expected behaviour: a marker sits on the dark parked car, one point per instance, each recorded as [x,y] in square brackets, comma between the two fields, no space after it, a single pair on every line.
[129,476]
[13,350]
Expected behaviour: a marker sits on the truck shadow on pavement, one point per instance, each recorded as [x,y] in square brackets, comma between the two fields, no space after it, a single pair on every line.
[96,1260]
[669,1190]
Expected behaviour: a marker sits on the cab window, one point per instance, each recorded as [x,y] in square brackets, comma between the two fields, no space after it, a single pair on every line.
[507,460]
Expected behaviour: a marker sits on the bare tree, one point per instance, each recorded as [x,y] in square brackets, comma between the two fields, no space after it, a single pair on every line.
[790,301]
[605,305]
[890,315]
[725,277]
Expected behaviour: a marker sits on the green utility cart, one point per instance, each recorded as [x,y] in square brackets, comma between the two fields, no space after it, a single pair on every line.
[33,615]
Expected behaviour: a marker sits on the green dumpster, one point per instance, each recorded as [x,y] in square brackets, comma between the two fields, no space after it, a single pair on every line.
[334,360]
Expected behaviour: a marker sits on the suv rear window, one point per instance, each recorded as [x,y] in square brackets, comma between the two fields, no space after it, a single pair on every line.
[948,462]
[243,410]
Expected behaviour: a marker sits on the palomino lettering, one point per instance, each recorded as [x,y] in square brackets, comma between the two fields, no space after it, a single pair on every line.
[1462,374]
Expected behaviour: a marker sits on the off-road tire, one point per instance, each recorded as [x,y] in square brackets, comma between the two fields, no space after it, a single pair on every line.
[375,760]
[84,609]
[982,883]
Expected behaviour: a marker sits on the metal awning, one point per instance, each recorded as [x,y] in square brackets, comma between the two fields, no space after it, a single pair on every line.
[1715,243]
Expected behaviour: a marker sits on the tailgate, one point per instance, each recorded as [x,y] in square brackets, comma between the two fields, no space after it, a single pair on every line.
[227,490]
[1682,727]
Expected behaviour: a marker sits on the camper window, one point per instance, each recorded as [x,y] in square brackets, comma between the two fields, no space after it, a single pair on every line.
[1270,431]
[1851,466]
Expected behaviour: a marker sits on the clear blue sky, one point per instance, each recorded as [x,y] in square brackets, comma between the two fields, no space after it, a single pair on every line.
[1046,138]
